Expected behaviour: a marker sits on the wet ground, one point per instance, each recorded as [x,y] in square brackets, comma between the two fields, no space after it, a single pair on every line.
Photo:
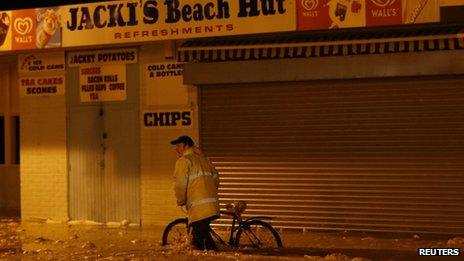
[46,241]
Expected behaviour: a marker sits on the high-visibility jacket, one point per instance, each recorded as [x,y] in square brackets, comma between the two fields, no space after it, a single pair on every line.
[196,183]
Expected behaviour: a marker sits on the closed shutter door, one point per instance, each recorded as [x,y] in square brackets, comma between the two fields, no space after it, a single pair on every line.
[380,155]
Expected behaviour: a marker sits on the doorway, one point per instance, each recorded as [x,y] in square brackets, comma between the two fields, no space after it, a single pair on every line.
[104,154]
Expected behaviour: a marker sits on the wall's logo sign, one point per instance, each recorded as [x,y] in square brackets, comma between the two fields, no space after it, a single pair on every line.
[383,3]
[313,14]
[309,5]
[383,12]
[24,29]
[23,25]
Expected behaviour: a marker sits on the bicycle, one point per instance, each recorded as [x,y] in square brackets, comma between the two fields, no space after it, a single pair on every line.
[252,232]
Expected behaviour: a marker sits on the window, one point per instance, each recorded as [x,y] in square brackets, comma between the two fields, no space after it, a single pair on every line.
[2,140]
[15,139]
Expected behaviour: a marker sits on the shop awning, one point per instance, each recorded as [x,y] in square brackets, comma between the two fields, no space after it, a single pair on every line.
[318,44]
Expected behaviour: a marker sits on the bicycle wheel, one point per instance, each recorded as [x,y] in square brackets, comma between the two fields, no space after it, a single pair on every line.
[176,232]
[257,234]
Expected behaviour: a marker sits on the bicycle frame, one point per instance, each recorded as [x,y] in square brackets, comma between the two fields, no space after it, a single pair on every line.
[237,223]
[239,227]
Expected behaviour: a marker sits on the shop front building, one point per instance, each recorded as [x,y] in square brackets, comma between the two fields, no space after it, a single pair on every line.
[325,115]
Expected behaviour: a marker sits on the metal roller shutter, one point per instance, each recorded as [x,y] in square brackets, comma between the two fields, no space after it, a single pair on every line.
[370,155]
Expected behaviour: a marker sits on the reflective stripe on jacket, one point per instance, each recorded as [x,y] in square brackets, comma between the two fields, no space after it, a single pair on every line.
[196,183]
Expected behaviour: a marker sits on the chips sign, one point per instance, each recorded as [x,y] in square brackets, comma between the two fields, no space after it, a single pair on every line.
[168,119]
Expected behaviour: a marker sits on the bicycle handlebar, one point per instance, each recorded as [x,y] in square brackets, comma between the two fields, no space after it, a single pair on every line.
[229,213]
[225,212]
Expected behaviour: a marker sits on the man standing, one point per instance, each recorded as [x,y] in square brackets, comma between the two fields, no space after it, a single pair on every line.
[196,183]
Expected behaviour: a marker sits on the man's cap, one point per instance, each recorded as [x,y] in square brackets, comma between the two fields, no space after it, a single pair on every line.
[183,139]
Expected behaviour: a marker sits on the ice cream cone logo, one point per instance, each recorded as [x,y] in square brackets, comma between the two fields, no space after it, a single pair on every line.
[415,12]
[309,5]
[383,3]
[23,25]
[27,61]
[49,24]
[4,26]
[4,19]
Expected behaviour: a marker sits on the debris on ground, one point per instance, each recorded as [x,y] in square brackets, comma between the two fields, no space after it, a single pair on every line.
[337,257]
[456,242]
[88,245]
[92,241]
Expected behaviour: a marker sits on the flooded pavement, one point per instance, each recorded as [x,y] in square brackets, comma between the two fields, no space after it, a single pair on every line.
[48,241]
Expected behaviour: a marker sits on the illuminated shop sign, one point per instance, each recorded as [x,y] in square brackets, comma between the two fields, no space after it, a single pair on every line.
[334,14]
[132,21]
[148,20]
[30,29]
[35,29]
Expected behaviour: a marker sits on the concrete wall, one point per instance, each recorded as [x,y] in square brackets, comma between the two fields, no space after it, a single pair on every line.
[44,185]
[44,177]
[157,155]
[9,107]
[9,191]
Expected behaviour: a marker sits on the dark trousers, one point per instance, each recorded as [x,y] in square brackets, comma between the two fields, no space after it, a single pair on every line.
[202,239]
